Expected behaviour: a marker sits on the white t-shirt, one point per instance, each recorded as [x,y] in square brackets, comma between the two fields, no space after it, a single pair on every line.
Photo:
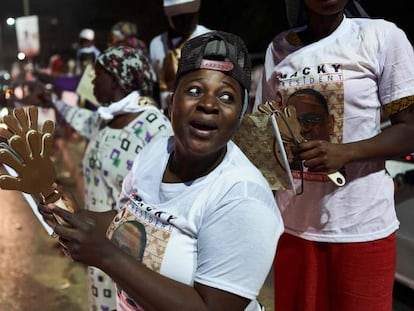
[221,230]
[363,65]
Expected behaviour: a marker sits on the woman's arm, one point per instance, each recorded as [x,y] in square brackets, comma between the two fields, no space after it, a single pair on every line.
[82,120]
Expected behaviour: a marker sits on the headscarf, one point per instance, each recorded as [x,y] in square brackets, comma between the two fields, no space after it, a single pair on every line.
[130,67]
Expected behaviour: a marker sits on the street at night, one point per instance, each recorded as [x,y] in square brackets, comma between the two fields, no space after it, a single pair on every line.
[35,274]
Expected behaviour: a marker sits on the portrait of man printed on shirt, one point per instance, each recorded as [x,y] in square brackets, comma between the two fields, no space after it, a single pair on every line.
[313,114]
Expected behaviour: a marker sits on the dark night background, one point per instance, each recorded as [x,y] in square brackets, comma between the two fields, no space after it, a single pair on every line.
[256,21]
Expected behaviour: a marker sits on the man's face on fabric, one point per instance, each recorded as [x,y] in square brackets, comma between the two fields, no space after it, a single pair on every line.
[315,122]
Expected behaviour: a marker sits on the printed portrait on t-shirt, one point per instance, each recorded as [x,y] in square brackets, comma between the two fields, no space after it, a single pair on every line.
[317,95]
[131,237]
[136,231]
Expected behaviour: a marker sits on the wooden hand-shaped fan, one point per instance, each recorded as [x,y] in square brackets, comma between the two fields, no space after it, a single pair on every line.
[289,129]
[28,153]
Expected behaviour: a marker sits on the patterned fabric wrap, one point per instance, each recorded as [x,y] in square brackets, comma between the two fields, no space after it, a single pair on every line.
[399,105]
[131,68]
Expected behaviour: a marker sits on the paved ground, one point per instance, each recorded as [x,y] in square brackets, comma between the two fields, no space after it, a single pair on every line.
[35,275]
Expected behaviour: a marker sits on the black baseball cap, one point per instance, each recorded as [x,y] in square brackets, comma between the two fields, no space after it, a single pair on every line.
[217,50]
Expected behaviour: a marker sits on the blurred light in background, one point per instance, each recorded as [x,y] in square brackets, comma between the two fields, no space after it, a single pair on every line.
[21,56]
[10,21]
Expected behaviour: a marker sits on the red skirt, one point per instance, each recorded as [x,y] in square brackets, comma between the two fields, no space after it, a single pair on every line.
[321,276]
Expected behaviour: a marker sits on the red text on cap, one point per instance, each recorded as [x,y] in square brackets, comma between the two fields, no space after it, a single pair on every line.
[216,65]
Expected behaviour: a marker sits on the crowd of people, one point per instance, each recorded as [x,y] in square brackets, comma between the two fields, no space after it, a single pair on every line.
[174,216]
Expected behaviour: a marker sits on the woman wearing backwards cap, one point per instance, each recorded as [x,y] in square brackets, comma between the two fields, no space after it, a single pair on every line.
[125,122]
[197,226]
[338,251]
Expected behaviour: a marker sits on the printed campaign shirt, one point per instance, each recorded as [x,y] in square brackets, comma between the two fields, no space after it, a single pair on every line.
[184,231]
[358,75]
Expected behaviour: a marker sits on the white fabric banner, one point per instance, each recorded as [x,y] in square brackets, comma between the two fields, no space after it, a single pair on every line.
[27,32]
